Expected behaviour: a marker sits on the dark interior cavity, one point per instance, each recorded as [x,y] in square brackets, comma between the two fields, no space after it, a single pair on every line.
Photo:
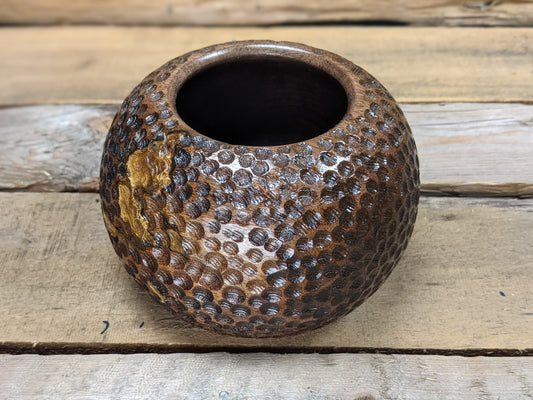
[262,101]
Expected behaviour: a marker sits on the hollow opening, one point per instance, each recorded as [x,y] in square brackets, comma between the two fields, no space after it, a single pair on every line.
[262,101]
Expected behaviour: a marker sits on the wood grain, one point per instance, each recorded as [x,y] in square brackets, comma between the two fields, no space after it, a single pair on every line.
[263,12]
[463,285]
[470,148]
[102,64]
[467,148]
[60,149]
[265,376]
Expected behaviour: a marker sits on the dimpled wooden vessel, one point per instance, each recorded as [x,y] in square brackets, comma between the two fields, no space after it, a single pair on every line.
[259,188]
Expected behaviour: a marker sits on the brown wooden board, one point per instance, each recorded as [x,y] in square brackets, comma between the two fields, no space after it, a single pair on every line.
[103,64]
[467,148]
[263,12]
[464,285]
[265,376]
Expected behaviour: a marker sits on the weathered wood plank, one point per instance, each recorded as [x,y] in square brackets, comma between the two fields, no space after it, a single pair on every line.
[474,148]
[491,146]
[265,376]
[49,148]
[463,284]
[263,12]
[102,64]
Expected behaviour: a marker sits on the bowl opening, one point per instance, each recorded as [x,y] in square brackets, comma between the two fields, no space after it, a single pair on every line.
[261,101]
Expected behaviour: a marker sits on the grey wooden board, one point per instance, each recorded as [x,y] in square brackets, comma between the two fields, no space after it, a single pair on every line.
[464,147]
[266,12]
[464,284]
[224,376]
[102,64]
[50,148]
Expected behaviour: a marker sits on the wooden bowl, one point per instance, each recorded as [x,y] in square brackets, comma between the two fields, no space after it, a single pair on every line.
[259,188]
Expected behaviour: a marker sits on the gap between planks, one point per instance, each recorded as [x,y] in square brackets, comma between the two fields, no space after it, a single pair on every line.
[89,64]
[463,285]
[464,148]
[262,12]
[265,376]
[53,348]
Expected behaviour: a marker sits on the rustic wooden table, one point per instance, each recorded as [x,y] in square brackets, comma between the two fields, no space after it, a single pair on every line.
[454,320]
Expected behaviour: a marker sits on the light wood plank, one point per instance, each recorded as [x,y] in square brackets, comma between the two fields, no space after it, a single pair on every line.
[474,148]
[59,149]
[102,64]
[226,376]
[263,12]
[491,145]
[463,284]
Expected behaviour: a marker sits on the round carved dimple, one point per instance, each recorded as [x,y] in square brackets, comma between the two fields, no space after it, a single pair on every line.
[255,255]
[242,178]
[224,174]
[216,260]
[234,295]
[230,248]
[242,218]
[259,215]
[226,157]
[183,280]
[194,270]
[195,230]
[260,168]
[249,270]
[232,277]
[240,200]
[223,214]
[258,236]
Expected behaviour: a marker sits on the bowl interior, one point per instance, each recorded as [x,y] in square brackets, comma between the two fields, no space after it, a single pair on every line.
[261,101]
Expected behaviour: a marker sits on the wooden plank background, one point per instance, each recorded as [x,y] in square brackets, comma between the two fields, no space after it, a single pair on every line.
[265,376]
[490,145]
[268,12]
[102,64]
[461,286]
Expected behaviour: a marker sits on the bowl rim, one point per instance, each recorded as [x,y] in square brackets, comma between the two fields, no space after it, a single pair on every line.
[344,71]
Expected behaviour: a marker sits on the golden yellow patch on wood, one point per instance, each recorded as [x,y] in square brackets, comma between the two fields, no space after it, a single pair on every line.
[176,243]
[130,211]
[148,169]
